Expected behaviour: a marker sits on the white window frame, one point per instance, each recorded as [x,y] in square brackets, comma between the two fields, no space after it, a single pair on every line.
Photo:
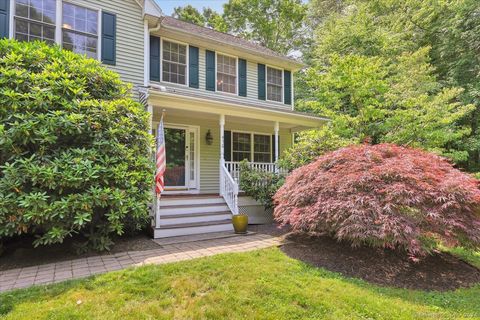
[187,49]
[216,72]
[266,83]
[252,144]
[13,9]
[59,22]
[99,23]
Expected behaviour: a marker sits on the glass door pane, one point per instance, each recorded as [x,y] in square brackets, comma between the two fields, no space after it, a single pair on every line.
[175,140]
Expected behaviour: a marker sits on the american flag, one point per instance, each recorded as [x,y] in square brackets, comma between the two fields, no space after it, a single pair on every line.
[160,160]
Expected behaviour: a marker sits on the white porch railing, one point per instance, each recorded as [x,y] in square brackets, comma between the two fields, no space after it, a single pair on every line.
[234,168]
[228,189]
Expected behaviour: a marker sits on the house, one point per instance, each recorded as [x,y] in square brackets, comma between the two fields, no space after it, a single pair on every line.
[225,99]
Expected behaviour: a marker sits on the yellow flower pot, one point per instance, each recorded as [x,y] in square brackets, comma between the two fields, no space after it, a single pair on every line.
[240,223]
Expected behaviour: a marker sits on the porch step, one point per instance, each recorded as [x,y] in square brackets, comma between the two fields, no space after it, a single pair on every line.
[169,220]
[180,216]
[192,208]
[184,229]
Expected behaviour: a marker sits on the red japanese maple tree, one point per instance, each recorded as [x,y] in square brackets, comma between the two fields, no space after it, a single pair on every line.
[384,196]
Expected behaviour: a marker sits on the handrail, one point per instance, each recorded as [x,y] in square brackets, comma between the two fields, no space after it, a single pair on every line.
[228,189]
[233,167]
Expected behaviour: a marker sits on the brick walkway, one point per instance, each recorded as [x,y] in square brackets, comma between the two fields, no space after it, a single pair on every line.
[84,267]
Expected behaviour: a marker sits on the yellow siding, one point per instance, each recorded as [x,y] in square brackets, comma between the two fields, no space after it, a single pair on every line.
[210,154]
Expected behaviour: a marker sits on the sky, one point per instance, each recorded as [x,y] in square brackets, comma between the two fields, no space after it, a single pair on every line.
[168,5]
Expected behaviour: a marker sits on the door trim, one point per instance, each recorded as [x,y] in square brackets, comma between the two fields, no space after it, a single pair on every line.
[186,188]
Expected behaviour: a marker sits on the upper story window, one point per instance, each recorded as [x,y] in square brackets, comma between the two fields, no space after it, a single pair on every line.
[226,74]
[35,20]
[274,84]
[80,29]
[174,62]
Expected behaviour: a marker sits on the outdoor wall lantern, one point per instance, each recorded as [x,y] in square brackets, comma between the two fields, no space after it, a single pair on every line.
[209,137]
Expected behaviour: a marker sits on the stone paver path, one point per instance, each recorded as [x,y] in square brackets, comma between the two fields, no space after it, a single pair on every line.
[84,267]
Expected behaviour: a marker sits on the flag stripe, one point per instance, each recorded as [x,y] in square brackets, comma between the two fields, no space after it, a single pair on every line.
[160,160]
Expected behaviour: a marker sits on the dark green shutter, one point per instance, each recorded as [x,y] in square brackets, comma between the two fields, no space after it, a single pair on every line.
[288,87]
[193,67]
[210,70]
[109,30]
[242,77]
[273,147]
[227,145]
[4,18]
[261,81]
[154,58]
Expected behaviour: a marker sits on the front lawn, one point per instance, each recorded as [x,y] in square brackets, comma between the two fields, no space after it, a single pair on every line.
[263,284]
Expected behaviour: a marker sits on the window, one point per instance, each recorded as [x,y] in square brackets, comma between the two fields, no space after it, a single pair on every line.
[242,144]
[261,148]
[226,74]
[174,62]
[80,29]
[274,84]
[35,20]
[246,145]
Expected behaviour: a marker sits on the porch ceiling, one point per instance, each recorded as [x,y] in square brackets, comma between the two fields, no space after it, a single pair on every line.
[199,108]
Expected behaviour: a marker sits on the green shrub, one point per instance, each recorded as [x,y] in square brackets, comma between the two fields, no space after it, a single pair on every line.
[74,148]
[260,185]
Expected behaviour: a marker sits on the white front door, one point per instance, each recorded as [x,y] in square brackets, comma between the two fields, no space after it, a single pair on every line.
[181,149]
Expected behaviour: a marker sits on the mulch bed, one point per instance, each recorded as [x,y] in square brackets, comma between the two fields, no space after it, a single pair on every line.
[440,271]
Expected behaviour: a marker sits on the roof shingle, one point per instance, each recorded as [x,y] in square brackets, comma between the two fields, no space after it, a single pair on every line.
[223,37]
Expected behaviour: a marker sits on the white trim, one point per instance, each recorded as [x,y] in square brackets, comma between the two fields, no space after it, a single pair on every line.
[236,70]
[11,19]
[59,25]
[266,83]
[157,94]
[186,188]
[187,57]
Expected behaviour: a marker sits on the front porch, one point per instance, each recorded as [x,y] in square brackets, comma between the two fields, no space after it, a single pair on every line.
[205,143]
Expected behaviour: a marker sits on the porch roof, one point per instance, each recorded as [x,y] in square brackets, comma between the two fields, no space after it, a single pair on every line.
[201,102]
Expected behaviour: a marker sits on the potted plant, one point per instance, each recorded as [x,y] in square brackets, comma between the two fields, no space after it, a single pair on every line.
[240,223]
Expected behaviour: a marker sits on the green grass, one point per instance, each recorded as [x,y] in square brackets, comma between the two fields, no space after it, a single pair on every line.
[263,284]
[470,256]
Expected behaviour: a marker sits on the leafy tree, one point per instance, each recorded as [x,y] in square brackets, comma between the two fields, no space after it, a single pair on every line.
[309,145]
[390,31]
[208,18]
[189,13]
[275,24]
[74,148]
[383,196]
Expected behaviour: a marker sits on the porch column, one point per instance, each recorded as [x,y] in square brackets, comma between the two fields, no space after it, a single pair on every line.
[276,129]
[222,152]
[222,138]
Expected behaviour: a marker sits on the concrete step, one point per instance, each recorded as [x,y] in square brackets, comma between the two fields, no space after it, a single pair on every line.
[166,220]
[183,229]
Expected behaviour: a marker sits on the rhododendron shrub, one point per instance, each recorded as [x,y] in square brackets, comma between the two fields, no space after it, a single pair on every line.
[384,196]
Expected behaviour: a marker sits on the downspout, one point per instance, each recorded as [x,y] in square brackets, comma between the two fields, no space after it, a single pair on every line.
[146,52]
